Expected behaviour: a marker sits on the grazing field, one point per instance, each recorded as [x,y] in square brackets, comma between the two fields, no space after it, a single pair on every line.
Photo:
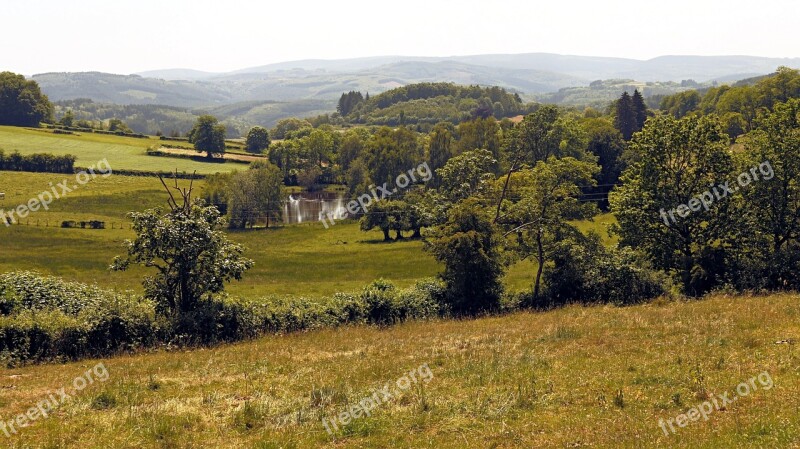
[123,153]
[597,376]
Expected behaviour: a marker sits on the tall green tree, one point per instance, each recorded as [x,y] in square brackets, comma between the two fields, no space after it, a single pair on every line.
[348,102]
[543,134]
[208,136]
[68,119]
[440,142]
[378,216]
[466,175]
[770,236]
[468,246]
[351,147]
[639,110]
[391,152]
[257,140]
[192,256]
[22,103]
[255,195]
[480,133]
[319,146]
[625,116]
[657,208]
[549,198]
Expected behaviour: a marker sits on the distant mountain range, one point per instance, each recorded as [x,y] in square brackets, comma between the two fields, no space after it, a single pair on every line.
[532,73]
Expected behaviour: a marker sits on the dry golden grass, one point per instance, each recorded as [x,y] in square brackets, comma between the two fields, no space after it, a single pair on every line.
[575,377]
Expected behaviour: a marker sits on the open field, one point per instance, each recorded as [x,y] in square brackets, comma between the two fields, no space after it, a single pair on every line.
[123,153]
[575,377]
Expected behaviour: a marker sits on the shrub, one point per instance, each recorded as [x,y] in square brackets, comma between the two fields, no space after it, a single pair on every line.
[380,298]
[46,318]
[586,271]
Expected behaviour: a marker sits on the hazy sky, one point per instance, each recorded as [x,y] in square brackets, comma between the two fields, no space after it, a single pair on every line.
[122,36]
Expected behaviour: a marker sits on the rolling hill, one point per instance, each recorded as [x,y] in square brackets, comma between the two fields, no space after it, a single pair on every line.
[532,73]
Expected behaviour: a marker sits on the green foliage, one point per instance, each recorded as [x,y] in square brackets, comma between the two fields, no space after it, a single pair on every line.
[466,175]
[348,102]
[39,163]
[630,113]
[768,255]
[116,124]
[468,246]
[193,258]
[140,118]
[208,136]
[741,102]
[257,140]
[389,153]
[432,103]
[584,270]
[675,161]
[22,102]
[440,143]
[681,104]
[479,134]
[378,216]
[255,195]
[285,126]
[68,119]
[547,198]
[542,134]
[45,318]
[607,145]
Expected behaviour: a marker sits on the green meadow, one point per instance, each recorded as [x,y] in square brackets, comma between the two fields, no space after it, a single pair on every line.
[122,153]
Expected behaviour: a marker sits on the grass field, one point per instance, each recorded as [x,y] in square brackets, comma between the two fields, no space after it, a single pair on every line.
[575,377]
[123,153]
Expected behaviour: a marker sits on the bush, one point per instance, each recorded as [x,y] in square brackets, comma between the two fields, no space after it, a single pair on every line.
[380,298]
[585,271]
[46,318]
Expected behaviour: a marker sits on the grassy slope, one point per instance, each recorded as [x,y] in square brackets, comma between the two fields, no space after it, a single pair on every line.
[518,381]
[123,153]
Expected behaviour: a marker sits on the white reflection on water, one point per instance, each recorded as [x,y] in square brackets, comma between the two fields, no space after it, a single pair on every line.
[313,206]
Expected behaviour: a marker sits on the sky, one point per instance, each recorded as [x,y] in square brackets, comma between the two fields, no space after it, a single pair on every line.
[123,36]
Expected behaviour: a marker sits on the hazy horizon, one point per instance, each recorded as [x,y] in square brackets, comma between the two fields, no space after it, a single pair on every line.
[127,37]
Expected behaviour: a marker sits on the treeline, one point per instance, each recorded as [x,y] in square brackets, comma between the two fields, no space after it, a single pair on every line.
[39,163]
[140,118]
[87,129]
[738,105]
[428,103]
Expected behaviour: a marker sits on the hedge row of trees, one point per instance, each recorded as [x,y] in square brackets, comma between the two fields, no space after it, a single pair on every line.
[738,105]
[42,162]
